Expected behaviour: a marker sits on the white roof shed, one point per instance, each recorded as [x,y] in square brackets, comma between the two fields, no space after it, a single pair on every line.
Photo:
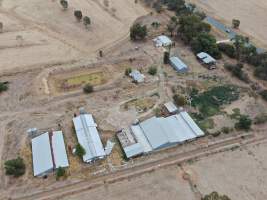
[137,76]
[162,40]
[171,107]
[41,155]
[88,137]
[178,65]
[59,150]
[206,58]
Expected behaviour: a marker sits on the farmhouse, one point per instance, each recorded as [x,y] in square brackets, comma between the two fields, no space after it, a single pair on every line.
[162,40]
[207,60]
[48,153]
[158,133]
[178,65]
[88,137]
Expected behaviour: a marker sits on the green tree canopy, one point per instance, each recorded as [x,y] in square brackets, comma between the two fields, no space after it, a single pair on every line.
[138,32]
[15,167]
[80,151]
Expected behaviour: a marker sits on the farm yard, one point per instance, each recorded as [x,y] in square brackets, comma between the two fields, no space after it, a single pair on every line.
[47,58]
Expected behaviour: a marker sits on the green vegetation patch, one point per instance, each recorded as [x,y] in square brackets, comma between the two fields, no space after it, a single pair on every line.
[209,102]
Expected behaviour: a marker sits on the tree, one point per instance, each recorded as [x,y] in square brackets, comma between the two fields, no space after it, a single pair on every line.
[152,71]
[264,94]
[80,151]
[78,14]
[172,25]
[191,26]
[15,167]
[235,23]
[3,87]
[239,43]
[1,27]
[205,42]
[88,88]
[128,71]
[60,172]
[64,4]
[179,100]
[244,123]
[228,49]
[86,21]
[138,32]
[166,57]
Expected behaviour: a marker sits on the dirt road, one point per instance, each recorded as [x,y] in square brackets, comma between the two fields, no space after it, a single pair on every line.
[78,187]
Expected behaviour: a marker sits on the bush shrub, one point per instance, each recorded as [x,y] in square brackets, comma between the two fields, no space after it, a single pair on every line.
[3,87]
[152,71]
[244,123]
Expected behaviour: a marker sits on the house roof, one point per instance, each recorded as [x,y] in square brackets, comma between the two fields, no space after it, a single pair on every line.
[206,58]
[133,150]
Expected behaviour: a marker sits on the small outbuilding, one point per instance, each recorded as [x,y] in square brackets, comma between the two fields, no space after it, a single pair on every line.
[171,107]
[207,60]
[137,76]
[162,41]
[178,65]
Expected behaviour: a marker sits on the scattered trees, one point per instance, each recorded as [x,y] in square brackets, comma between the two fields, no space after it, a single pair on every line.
[64,4]
[237,71]
[15,167]
[138,32]
[235,23]
[88,88]
[78,14]
[79,150]
[172,25]
[228,49]
[215,196]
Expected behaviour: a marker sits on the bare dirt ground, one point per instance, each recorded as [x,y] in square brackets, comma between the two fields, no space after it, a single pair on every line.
[252,15]
[240,174]
[49,35]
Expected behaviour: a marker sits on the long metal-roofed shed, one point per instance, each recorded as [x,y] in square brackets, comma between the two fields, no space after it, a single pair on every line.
[171,107]
[59,150]
[48,153]
[178,65]
[88,137]
[157,133]
[41,155]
